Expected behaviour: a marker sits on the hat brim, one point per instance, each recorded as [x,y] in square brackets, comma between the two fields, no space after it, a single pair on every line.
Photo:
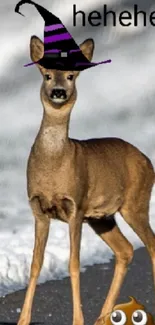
[78,66]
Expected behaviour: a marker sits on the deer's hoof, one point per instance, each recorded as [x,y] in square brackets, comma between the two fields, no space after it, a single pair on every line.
[24,321]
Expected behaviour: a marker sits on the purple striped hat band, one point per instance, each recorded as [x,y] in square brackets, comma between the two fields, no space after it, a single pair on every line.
[57,38]
[57,51]
[53,27]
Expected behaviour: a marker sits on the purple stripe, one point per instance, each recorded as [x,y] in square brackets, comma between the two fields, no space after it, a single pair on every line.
[52,51]
[74,51]
[57,38]
[57,51]
[53,27]
[92,63]
[27,65]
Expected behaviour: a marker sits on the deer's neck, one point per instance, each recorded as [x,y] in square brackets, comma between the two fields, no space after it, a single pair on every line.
[54,134]
[53,137]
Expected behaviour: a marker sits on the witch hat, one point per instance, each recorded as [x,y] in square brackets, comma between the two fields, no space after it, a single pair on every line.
[60,50]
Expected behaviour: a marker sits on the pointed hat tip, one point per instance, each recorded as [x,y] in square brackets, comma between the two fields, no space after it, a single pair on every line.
[19,13]
[17,8]
[43,12]
[20,3]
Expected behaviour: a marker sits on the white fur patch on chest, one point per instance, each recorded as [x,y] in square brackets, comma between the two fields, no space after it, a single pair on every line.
[53,138]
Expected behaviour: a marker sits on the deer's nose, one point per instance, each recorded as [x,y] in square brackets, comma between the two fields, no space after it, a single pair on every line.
[58,93]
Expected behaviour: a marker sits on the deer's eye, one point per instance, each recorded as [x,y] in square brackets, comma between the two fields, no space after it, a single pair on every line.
[47,77]
[70,77]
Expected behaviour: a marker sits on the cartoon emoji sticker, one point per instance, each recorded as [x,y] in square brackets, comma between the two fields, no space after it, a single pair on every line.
[131,313]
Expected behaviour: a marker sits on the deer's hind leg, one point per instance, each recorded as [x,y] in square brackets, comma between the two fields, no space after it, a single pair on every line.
[135,212]
[108,230]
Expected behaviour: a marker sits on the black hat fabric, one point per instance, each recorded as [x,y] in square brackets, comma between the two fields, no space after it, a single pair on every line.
[60,50]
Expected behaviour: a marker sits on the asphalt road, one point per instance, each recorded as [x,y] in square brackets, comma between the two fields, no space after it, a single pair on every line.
[53,305]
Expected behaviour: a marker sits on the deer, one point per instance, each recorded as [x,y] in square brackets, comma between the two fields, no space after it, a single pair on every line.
[83,181]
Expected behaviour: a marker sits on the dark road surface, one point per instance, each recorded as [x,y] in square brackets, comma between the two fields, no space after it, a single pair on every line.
[53,306]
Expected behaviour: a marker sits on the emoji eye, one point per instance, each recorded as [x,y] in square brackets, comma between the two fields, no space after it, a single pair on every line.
[139,317]
[118,317]
[47,77]
[70,77]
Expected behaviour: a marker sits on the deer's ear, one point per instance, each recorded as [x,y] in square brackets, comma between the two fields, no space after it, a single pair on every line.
[87,48]
[36,48]
[37,51]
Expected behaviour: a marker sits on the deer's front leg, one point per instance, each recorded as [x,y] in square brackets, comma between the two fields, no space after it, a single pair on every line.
[75,228]
[41,234]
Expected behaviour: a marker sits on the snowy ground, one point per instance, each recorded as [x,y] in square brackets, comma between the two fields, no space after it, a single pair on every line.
[120,103]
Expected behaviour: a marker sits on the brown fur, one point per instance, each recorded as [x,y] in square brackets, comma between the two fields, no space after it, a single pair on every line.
[76,181]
